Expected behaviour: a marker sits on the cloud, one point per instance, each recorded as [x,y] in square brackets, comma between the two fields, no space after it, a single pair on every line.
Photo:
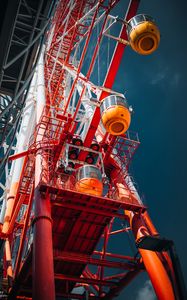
[166,76]
[146,292]
[160,76]
[78,290]
[175,79]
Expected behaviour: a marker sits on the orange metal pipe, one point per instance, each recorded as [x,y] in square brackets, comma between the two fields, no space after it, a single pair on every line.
[11,213]
[141,226]
[153,231]
[10,205]
[155,269]
[149,223]
[153,263]
[158,275]
[167,258]
[163,255]
[8,261]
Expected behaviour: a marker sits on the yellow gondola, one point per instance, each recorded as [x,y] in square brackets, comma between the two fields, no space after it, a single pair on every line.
[115,114]
[89,180]
[143,34]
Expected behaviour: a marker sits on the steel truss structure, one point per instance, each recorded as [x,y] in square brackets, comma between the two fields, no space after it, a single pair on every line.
[24,24]
[56,240]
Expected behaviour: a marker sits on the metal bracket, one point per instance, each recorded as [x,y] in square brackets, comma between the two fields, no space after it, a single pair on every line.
[111,20]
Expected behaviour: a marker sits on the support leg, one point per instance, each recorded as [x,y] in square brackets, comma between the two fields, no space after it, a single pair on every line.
[43,270]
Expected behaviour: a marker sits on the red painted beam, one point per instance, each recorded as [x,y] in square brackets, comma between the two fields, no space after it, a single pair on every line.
[77,296]
[86,259]
[18,155]
[119,51]
[115,255]
[90,210]
[84,280]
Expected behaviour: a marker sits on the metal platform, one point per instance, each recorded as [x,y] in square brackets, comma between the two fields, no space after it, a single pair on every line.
[79,221]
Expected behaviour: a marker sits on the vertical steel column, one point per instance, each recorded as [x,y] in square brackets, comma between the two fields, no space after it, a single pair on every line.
[43,270]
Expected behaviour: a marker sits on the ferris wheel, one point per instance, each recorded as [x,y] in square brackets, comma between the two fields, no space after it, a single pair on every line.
[70,189]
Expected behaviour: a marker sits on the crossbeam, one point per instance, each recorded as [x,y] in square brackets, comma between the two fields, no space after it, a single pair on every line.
[86,259]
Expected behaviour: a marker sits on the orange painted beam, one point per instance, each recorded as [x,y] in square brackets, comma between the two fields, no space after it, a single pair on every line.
[9,207]
[153,264]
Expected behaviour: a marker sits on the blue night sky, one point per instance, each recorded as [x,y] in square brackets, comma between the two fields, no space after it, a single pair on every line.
[156,88]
